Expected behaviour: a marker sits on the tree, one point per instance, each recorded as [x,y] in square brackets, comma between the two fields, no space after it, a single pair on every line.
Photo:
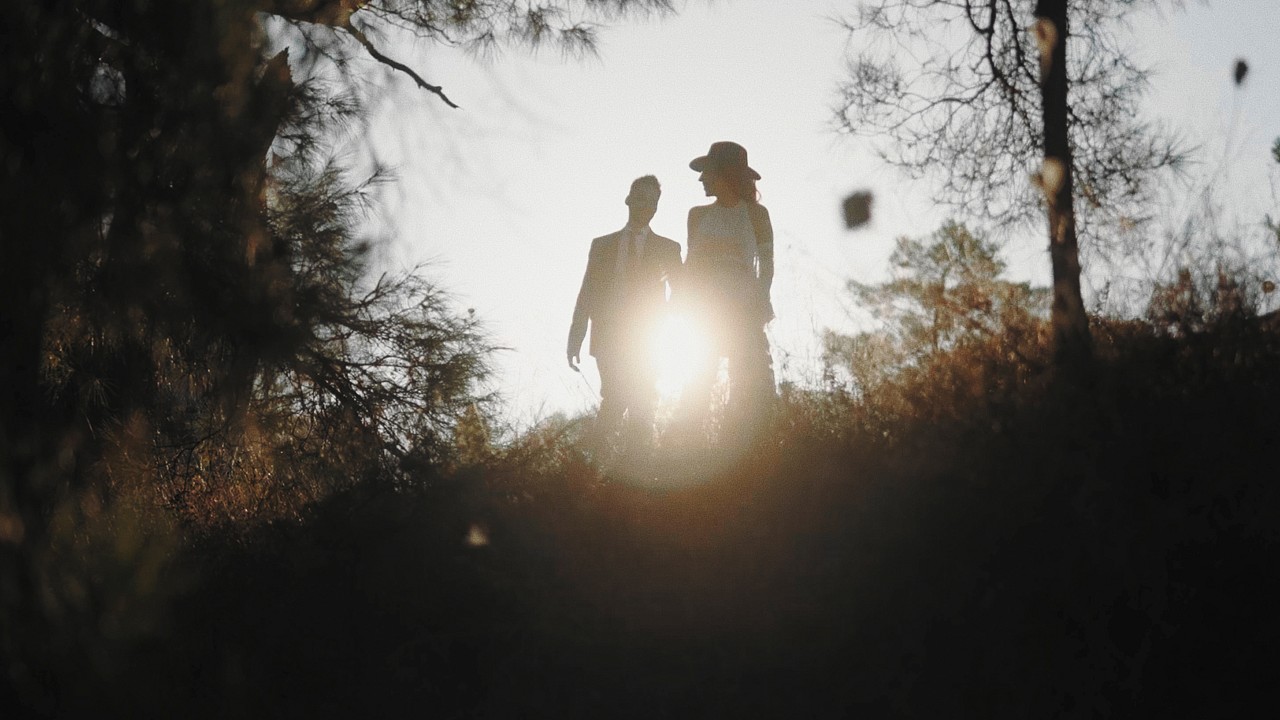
[169,298]
[135,138]
[971,91]
[946,292]
[478,26]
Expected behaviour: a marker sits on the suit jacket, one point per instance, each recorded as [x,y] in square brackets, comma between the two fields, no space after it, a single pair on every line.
[621,309]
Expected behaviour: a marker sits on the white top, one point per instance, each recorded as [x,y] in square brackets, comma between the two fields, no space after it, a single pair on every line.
[726,238]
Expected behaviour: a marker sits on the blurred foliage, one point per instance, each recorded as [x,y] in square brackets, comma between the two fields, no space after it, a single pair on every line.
[946,298]
[1198,301]
[196,339]
[191,323]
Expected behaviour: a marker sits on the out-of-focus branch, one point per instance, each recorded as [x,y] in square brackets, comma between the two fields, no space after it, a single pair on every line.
[377,55]
[337,14]
[334,13]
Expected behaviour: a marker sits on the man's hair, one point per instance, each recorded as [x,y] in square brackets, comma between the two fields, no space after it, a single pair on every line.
[644,180]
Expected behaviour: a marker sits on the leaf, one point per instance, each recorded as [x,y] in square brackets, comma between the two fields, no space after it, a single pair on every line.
[857,209]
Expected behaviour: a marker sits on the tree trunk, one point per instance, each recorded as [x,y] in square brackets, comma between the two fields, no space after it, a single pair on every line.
[1072,344]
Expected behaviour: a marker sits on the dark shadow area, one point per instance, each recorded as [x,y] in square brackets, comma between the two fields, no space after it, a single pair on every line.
[1028,550]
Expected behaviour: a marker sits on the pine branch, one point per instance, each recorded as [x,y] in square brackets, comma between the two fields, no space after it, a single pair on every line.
[337,14]
[377,55]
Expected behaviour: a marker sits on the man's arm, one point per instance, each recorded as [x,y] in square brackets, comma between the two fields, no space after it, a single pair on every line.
[677,287]
[671,265]
[582,311]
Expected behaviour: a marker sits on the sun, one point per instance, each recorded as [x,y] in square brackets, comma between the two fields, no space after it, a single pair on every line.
[677,344]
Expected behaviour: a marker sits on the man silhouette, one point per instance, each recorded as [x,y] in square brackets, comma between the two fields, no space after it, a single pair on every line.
[624,291]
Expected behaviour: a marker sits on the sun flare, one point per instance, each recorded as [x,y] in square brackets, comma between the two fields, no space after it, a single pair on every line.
[677,344]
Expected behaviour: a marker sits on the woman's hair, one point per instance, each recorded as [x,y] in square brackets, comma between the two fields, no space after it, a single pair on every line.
[744,186]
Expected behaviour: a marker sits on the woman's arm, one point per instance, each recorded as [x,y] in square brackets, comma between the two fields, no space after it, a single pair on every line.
[763,227]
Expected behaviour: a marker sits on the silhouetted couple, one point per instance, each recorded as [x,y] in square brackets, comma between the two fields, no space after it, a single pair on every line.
[723,285]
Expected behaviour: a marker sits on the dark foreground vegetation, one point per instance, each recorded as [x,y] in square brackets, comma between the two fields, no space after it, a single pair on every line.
[978,540]
[244,475]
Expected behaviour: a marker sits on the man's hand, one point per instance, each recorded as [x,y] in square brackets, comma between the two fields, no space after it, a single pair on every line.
[573,362]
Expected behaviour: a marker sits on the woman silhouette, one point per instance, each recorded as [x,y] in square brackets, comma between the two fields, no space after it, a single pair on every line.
[726,283]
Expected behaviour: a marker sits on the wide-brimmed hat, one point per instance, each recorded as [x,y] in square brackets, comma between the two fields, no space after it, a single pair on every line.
[722,155]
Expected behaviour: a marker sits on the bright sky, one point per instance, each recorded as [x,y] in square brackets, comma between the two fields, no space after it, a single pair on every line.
[503,196]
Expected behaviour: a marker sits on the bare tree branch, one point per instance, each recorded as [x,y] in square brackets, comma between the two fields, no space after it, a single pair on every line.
[377,55]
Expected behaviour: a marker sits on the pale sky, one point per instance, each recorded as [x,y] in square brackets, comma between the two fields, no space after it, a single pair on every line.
[504,195]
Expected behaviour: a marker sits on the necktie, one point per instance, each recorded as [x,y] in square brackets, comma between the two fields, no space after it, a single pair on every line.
[629,253]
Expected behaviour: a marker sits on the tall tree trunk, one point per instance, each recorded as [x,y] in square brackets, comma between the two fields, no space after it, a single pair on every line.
[1072,343]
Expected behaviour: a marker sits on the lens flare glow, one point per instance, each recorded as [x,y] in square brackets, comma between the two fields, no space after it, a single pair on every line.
[677,344]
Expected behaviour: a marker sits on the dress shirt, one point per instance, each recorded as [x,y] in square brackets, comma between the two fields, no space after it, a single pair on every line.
[632,245]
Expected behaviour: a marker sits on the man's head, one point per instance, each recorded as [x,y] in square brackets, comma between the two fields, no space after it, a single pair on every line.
[642,201]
